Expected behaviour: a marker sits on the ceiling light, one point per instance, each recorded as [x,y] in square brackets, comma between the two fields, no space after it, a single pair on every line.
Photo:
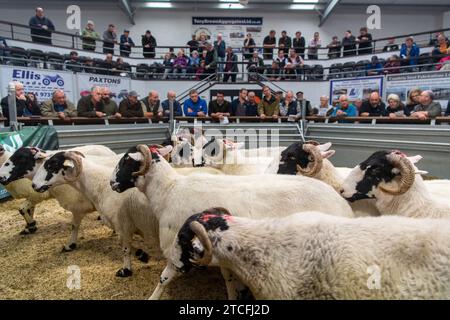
[305,1]
[229,0]
[231,6]
[303,6]
[158,5]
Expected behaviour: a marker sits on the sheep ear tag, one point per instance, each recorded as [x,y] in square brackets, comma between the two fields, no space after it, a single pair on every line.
[68,164]
[165,150]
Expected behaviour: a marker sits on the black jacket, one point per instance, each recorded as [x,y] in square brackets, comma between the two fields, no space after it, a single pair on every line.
[150,51]
[379,110]
[24,108]
[86,108]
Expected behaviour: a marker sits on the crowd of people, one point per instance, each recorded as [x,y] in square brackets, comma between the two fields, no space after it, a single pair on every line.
[207,56]
[99,104]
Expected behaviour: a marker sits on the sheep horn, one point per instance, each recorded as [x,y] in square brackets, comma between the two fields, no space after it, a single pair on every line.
[74,156]
[145,151]
[313,142]
[317,163]
[407,174]
[201,234]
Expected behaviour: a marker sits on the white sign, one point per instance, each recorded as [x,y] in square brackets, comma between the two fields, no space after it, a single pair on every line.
[438,82]
[41,82]
[233,29]
[358,88]
[119,86]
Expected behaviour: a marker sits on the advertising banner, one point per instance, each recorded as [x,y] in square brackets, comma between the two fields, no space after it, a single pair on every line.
[41,82]
[438,82]
[119,86]
[358,88]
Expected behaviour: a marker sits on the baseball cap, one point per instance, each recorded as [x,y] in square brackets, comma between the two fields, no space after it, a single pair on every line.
[133,93]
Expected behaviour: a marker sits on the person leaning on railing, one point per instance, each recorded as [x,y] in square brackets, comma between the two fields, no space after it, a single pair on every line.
[109,39]
[344,109]
[171,99]
[427,107]
[24,105]
[58,106]
[269,105]
[131,106]
[409,52]
[373,106]
[152,105]
[110,107]
[195,106]
[413,99]
[396,108]
[89,36]
[219,108]
[91,106]
[447,112]
[41,28]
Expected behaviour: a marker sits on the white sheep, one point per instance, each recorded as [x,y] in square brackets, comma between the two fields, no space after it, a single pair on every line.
[126,213]
[318,256]
[173,197]
[22,165]
[392,179]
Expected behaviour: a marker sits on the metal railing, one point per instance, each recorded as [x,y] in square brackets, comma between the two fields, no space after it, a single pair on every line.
[16,31]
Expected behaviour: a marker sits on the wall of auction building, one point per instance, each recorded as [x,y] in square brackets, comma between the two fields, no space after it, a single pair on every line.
[173,27]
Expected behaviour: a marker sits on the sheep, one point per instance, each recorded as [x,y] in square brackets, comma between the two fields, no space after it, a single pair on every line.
[22,189]
[24,163]
[310,159]
[127,213]
[313,255]
[173,198]
[392,179]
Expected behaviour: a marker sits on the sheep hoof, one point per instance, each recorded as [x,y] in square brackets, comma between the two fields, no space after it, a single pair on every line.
[28,230]
[69,248]
[142,255]
[123,273]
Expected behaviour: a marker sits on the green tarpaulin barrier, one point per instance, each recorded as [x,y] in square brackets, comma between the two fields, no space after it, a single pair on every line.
[43,137]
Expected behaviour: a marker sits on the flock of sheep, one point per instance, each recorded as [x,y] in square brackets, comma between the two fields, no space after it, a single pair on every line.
[285,225]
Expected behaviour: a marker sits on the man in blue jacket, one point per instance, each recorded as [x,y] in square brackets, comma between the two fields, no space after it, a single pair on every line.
[171,95]
[41,28]
[195,106]
[409,52]
[344,109]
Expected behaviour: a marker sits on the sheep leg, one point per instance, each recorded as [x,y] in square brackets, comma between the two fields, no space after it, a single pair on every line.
[236,290]
[169,273]
[27,212]
[75,224]
[126,270]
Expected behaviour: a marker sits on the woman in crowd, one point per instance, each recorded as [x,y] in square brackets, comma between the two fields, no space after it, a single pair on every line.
[413,99]
[396,108]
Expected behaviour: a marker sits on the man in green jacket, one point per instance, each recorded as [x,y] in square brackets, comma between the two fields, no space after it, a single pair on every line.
[88,36]
[427,107]
[58,106]
[269,105]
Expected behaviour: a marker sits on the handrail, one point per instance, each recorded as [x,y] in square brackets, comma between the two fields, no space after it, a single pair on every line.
[79,37]
[281,119]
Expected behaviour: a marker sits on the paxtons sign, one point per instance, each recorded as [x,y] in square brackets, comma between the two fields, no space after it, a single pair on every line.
[41,82]
[119,86]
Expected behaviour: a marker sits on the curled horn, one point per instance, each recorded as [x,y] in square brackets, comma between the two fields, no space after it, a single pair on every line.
[75,157]
[201,234]
[407,174]
[310,147]
[145,151]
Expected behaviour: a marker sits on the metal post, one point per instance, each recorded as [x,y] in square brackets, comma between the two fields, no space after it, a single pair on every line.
[171,122]
[12,107]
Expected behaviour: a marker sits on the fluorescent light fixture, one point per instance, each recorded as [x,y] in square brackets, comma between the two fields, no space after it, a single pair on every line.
[231,6]
[158,5]
[229,0]
[303,6]
[305,1]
